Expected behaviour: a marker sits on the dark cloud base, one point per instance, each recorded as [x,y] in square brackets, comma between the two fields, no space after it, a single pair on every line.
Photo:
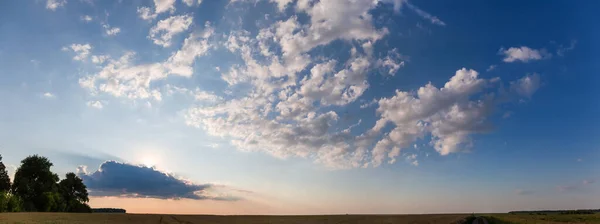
[126,180]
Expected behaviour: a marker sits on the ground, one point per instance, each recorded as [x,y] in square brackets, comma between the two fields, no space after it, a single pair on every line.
[549,218]
[67,218]
[187,219]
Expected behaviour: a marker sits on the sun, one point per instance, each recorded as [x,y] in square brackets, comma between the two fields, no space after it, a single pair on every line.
[148,161]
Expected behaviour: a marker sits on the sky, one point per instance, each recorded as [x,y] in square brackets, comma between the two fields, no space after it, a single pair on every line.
[307,106]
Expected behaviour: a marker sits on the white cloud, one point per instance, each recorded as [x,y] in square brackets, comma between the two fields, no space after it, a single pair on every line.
[48,95]
[164,6]
[160,6]
[200,95]
[111,31]
[54,4]
[527,85]
[425,15]
[393,62]
[95,104]
[82,51]
[448,114]
[123,78]
[286,100]
[164,30]
[146,13]
[292,100]
[491,68]
[86,18]
[523,54]
[99,59]
[192,2]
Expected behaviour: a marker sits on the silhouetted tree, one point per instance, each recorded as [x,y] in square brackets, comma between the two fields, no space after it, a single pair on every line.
[4,179]
[74,193]
[36,185]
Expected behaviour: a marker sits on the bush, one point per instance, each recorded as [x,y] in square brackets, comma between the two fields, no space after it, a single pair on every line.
[10,202]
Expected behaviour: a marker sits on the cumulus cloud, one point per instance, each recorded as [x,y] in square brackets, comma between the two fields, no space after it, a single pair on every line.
[111,31]
[160,6]
[99,59]
[126,180]
[54,4]
[392,62]
[527,85]
[82,51]
[288,99]
[86,18]
[123,78]
[165,29]
[523,54]
[192,2]
[294,102]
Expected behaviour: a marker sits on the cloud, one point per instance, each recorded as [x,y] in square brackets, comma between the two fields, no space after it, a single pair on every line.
[164,30]
[95,104]
[425,15]
[111,31]
[99,59]
[527,85]
[86,18]
[54,4]
[562,49]
[192,2]
[126,180]
[160,6]
[588,182]
[287,98]
[576,187]
[523,192]
[491,68]
[123,78]
[523,54]
[82,51]
[48,95]
[392,62]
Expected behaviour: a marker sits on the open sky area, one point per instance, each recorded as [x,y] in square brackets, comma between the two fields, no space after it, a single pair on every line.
[307,106]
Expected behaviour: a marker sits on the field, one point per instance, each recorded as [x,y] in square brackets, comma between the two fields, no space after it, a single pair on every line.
[549,218]
[151,218]
[338,219]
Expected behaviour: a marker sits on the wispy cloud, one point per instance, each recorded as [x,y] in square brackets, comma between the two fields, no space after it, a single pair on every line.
[433,19]
[523,192]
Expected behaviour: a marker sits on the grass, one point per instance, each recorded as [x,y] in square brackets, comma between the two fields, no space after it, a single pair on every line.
[187,219]
[548,218]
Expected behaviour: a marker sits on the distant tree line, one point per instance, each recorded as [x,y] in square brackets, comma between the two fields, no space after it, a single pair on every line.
[108,210]
[564,212]
[37,189]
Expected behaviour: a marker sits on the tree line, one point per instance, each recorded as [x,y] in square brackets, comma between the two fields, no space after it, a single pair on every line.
[36,188]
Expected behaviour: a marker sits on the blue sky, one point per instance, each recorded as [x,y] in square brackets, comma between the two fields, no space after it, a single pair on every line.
[305,106]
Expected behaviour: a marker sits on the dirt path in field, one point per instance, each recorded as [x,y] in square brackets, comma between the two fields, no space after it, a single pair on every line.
[480,220]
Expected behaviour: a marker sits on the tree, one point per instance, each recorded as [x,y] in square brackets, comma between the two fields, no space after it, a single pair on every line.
[35,184]
[74,193]
[4,179]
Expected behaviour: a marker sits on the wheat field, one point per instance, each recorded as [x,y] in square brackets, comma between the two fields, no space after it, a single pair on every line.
[187,219]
